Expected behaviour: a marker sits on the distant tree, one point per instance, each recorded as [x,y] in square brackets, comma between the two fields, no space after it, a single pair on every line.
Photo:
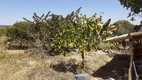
[123,27]
[16,32]
[3,30]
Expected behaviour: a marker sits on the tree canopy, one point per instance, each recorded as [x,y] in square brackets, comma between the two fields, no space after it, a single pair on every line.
[123,27]
[134,5]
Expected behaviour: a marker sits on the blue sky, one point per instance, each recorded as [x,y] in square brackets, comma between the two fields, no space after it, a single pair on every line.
[14,10]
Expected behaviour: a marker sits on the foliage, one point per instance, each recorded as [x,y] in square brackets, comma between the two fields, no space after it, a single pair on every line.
[3,30]
[134,5]
[123,27]
[83,33]
[138,28]
[16,32]
[55,33]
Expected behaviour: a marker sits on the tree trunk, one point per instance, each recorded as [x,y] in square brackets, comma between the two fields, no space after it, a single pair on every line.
[82,55]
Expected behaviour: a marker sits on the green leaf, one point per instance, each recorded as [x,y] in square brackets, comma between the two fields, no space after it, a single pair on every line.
[95,41]
[59,47]
[91,28]
[105,26]
[84,52]
[94,15]
[52,44]
[71,44]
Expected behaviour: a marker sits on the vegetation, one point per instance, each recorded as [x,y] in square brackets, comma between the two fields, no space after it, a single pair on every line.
[134,5]
[2,30]
[1,26]
[54,34]
[57,34]
[22,67]
[123,27]
[138,28]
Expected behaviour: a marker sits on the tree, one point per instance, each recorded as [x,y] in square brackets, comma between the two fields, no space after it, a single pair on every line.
[123,27]
[134,5]
[83,33]
[17,31]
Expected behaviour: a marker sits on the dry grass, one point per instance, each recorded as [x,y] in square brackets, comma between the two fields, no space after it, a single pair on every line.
[16,65]
[3,49]
[23,67]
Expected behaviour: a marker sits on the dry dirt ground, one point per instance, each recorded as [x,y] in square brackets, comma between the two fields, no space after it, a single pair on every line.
[26,67]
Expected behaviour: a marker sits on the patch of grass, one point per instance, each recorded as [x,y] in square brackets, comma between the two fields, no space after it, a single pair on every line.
[4,56]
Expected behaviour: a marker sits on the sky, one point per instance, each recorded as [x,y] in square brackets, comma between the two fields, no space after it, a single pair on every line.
[14,10]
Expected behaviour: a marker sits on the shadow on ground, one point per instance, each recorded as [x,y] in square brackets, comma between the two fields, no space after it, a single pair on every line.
[63,67]
[114,68]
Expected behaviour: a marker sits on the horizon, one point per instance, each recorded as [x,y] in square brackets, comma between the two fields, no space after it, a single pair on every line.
[13,11]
